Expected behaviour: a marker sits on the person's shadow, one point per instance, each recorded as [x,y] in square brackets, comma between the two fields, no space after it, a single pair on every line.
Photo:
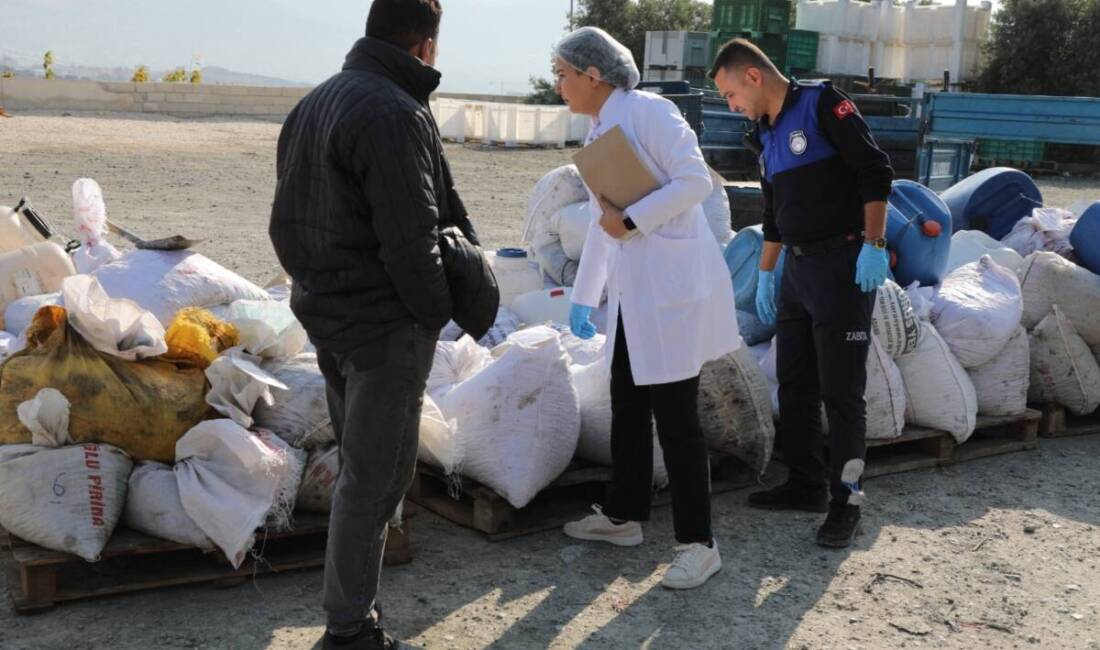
[773,574]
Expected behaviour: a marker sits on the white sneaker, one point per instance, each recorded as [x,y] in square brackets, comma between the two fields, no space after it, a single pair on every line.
[695,564]
[598,528]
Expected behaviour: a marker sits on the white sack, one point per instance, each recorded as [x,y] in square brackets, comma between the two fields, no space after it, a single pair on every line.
[153,507]
[938,392]
[19,313]
[1048,279]
[1063,370]
[268,328]
[922,299]
[977,310]
[572,226]
[281,516]
[894,322]
[454,363]
[584,351]
[165,282]
[1047,229]
[735,409]
[505,325]
[593,383]
[67,499]
[238,384]
[518,419]
[47,418]
[228,480]
[10,344]
[768,365]
[884,394]
[319,480]
[299,413]
[114,326]
[439,445]
[1002,384]
[553,192]
[90,219]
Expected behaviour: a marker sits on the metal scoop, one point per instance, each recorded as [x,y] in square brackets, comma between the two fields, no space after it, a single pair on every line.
[173,243]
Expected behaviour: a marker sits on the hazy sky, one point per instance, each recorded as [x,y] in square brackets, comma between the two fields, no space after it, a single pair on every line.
[485,44]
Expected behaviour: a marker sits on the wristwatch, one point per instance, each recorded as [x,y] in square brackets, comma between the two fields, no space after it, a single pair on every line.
[877,243]
[629,223]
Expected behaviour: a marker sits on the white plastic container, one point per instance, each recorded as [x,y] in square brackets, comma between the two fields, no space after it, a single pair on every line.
[970,245]
[544,305]
[15,231]
[515,273]
[32,271]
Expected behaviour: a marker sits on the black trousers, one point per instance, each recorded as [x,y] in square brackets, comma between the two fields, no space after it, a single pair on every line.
[823,338]
[675,407]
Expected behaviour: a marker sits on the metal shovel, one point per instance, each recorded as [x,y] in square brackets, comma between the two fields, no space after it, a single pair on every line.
[173,243]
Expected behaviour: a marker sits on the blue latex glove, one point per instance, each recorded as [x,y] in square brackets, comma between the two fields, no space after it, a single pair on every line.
[871,267]
[580,322]
[765,297]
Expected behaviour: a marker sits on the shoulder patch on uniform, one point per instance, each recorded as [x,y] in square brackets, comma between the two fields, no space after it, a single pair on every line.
[844,109]
[798,142]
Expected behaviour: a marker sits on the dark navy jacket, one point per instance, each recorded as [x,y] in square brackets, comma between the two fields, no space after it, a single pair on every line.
[819,165]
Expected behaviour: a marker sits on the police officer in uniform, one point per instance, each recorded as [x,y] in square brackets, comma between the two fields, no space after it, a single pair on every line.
[825,185]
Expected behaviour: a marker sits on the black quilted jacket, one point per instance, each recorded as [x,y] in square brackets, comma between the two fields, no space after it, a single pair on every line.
[363,193]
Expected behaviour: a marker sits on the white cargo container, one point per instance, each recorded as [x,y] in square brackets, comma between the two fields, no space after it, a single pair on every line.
[909,41]
[508,124]
[676,50]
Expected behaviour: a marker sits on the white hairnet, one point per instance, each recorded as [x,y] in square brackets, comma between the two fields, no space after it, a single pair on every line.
[593,47]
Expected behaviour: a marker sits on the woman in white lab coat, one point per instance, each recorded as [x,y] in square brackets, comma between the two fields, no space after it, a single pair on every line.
[670,305]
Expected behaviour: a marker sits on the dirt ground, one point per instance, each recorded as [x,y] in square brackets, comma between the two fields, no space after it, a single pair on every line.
[997,553]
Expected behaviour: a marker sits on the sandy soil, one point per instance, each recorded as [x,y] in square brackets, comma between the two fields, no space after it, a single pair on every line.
[997,553]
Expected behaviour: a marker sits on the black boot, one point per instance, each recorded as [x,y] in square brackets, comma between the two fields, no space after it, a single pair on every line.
[370,637]
[840,527]
[792,495]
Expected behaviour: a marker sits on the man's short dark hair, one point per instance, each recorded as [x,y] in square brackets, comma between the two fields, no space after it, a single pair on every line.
[741,53]
[404,23]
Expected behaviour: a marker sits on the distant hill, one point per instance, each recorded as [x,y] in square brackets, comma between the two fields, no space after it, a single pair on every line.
[210,74]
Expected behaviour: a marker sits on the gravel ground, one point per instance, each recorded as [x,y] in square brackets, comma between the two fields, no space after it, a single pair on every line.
[997,553]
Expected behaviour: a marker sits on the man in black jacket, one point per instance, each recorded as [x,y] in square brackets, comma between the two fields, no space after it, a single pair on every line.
[367,224]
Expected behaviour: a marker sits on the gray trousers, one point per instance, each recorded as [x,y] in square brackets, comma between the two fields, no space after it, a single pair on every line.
[375,394]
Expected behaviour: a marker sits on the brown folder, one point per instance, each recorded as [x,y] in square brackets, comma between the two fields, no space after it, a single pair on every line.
[611,168]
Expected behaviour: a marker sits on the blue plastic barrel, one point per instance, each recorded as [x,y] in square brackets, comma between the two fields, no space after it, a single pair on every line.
[1086,238]
[992,200]
[918,231]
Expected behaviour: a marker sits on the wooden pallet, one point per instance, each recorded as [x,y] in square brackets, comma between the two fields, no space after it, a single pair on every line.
[916,448]
[39,578]
[1000,435]
[1059,423]
[921,448]
[473,505]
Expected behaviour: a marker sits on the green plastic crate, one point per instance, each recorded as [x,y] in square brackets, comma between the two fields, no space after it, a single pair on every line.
[774,46]
[802,50]
[765,16]
[1018,151]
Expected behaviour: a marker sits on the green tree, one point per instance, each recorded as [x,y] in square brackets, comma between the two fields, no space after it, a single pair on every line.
[175,76]
[629,21]
[1034,48]
[141,75]
[47,64]
[196,76]
[542,92]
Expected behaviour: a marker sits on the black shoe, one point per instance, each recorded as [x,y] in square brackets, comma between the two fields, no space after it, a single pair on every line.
[370,637]
[791,496]
[840,527]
